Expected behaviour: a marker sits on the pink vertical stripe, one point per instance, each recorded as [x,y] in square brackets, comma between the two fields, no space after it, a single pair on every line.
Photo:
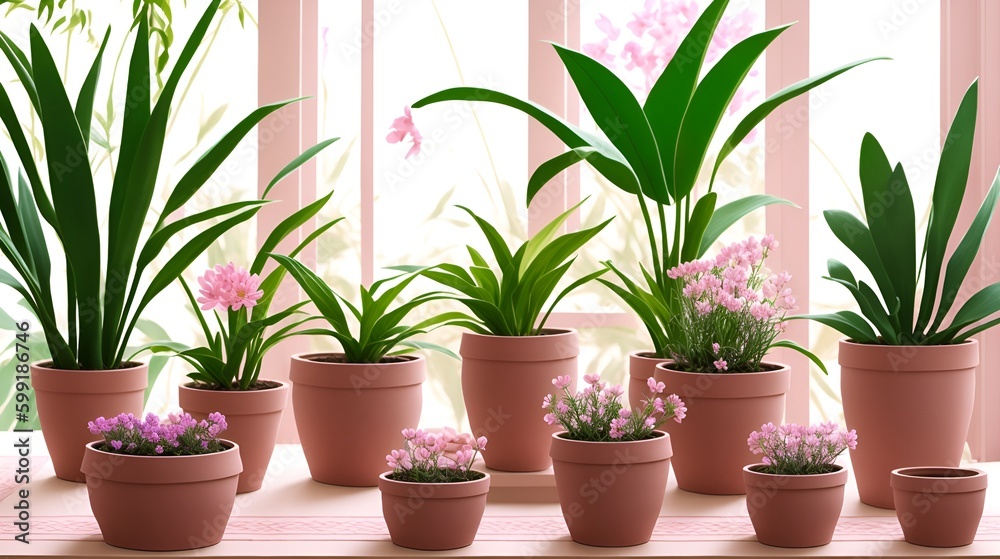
[786,172]
[970,48]
[367,145]
[546,86]
[287,69]
[573,33]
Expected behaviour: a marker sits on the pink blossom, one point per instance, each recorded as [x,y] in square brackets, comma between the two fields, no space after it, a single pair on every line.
[720,364]
[562,381]
[605,25]
[229,287]
[599,51]
[403,126]
[616,390]
[715,348]
[654,386]
[547,402]
[550,418]
[768,242]
[592,378]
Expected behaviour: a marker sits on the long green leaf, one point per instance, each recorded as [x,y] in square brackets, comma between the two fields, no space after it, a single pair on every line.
[617,112]
[317,291]
[297,162]
[551,168]
[13,126]
[724,217]
[85,101]
[544,236]
[701,218]
[858,238]
[789,344]
[35,237]
[845,322]
[283,229]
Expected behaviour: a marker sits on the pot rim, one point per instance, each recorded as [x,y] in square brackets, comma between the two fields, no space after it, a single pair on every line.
[232,403]
[943,358]
[281,383]
[41,364]
[231,446]
[847,341]
[753,478]
[551,333]
[910,479]
[101,465]
[725,386]
[356,376]
[781,367]
[655,449]
[133,378]
[305,355]
[453,490]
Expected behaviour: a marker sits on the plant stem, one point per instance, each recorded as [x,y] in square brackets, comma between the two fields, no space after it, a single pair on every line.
[657,271]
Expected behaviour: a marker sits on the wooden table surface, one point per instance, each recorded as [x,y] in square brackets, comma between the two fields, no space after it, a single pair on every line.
[293,516]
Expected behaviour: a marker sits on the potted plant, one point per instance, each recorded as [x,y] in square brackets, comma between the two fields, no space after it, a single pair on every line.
[108,283]
[508,355]
[731,312]
[610,462]
[899,351]
[432,499]
[655,151]
[226,375]
[161,486]
[937,506]
[372,382]
[796,492]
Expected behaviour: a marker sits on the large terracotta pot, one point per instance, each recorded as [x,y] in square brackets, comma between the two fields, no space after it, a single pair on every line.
[641,366]
[723,409]
[68,399]
[252,417]
[611,492]
[504,379]
[794,511]
[880,386]
[939,507]
[162,503]
[350,415]
[433,516]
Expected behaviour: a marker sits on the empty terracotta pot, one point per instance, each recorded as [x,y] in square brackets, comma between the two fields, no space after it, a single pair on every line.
[794,511]
[252,417]
[939,506]
[350,415]
[433,516]
[611,492]
[68,399]
[162,503]
[641,366]
[504,379]
[723,408]
[879,385]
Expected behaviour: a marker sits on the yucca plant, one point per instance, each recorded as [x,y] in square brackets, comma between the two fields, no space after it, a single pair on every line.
[380,331]
[513,303]
[107,288]
[656,150]
[886,244]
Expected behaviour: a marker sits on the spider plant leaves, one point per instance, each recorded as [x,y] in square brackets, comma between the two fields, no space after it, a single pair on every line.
[299,160]
[551,168]
[619,115]
[949,190]
[13,128]
[73,197]
[845,322]
[22,67]
[701,218]
[856,236]
[85,100]
[285,228]
[789,344]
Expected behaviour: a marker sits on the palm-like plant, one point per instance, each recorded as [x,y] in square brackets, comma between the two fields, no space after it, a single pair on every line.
[656,150]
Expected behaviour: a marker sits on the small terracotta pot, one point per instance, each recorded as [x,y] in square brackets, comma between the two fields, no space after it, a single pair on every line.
[349,415]
[641,366]
[879,385]
[611,492]
[162,503]
[433,516]
[794,511]
[504,379]
[938,506]
[68,399]
[252,418]
[723,408]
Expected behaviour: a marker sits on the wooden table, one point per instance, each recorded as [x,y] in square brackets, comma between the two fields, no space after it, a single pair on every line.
[293,516]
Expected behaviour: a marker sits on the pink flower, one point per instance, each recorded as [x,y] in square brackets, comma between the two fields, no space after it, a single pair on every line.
[403,126]
[592,378]
[655,387]
[158,449]
[715,348]
[547,402]
[599,51]
[720,364]
[768,242]
[677,405]
[550,418]
[605,25]
[229,287]
[562,381]
[616,390]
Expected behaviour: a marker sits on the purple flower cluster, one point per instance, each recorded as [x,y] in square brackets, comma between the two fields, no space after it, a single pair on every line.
[597,414]
[792,449]
[180,435]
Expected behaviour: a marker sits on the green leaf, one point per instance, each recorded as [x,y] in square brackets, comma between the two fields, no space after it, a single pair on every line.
[965,252]
[845,322]
[285,228]
[428,345]
[757,115]
[670,96]
[317,291]
[701,218]
[856,237]
[709,104]
[544,236]
[981,305]
[553,167]
[617,112]
[37,247]
[724,217]
[500,250]
[85,101]
[297,162]
[796,347]
[22,67]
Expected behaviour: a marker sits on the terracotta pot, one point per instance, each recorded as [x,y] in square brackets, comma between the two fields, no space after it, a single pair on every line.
[162,503]
[937,506]
[252,417]
[723,409]
[68,399]
[879,385]
[433,516]
[504,379]
[611,492]
[349,415]
[794,511]
[641,366]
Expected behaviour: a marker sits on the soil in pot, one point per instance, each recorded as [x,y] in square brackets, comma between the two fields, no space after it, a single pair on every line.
[794,511]
[433,516]
[939,506]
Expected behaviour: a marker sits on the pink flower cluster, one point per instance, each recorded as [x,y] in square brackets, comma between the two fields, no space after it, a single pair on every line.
[799,450]
[402,127]
[654,34]
[435,456]
[181,435]
[228,287]
[597,414]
